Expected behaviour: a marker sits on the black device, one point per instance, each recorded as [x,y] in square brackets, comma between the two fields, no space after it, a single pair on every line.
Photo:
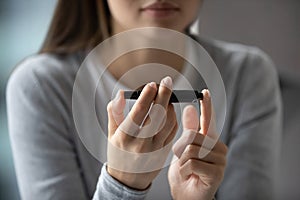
[177,96]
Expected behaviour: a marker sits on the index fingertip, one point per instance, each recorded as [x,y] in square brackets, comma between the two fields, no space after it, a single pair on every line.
[167,82]
[206,95]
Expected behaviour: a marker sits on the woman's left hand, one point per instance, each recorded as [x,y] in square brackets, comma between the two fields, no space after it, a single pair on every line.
[140,142]
[198,171]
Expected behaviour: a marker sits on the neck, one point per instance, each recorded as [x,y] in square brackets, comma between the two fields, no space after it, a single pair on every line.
[135,59]
[132,60]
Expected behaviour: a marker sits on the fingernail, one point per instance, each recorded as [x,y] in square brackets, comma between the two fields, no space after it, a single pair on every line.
[206,91]
[206,94]
[152,84]
[167,82]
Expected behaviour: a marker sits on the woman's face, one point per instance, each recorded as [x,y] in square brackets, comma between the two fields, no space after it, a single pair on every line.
[172,14]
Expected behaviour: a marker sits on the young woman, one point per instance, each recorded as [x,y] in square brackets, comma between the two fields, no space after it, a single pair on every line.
[51,161]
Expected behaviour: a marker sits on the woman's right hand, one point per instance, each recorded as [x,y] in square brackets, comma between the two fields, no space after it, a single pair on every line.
[136,154]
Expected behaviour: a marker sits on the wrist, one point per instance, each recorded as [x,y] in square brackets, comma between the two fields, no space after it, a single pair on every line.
[131,180]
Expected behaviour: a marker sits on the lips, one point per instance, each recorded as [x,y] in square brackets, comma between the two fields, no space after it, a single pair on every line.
[160,9]
[160,6]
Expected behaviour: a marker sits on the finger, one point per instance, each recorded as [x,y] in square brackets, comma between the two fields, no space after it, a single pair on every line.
[171,122]
[157,117]
[190,120]
[187,137]
[142,105]
[208,172]
[205,117]
[193,151]
[115,110]
[220,148]
[118,105]
[208,123]
[191,137]
[164,92]
[112,126]
[212,130]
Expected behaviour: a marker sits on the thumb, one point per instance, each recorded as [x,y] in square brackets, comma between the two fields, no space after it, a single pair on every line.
[190,120]
[115,110]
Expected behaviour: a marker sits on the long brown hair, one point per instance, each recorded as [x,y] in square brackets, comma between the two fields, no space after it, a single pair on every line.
[77,25]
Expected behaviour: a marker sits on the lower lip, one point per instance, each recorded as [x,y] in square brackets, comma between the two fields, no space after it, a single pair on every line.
[160,13]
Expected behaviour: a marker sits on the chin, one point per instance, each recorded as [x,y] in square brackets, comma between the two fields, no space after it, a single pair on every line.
[167,26]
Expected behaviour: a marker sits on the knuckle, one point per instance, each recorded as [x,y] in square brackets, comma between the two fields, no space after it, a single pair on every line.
[190,149]
[223,148]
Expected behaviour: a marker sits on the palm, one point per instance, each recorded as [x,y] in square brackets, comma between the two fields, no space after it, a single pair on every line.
[186,189]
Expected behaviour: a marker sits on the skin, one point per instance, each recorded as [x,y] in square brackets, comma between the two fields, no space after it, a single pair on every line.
[127,15]
[126,142]
[190,177]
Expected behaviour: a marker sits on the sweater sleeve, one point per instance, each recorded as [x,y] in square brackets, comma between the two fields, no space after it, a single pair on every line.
[255,137]
[109,188]
[45,158]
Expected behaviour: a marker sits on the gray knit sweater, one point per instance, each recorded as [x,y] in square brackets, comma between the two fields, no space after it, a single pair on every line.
[52,163]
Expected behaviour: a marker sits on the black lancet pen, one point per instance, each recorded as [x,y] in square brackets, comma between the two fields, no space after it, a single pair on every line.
[177,96]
